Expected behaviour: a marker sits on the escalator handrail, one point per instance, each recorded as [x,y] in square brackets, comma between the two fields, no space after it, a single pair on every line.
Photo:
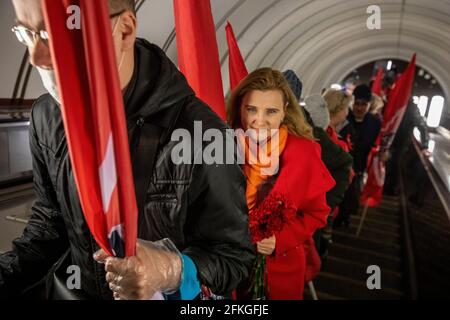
[436,180]
[408,253]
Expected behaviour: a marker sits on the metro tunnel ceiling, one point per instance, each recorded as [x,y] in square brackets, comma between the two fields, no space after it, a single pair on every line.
[322,40]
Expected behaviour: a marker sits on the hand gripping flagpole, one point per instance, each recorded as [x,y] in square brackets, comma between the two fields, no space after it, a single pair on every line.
[94,121]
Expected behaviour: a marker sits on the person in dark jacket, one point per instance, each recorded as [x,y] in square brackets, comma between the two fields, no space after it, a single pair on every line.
[199,208]
[363,129]
[402,141]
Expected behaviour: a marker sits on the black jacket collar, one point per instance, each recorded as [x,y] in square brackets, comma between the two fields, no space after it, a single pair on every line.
[156,86]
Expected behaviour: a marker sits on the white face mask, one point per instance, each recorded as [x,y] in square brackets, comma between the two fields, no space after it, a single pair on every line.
[49,77]
[49,80]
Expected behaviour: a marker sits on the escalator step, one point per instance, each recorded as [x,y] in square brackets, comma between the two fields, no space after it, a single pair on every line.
[358,270]
[367,257]
[349,288]
[376,234]
[342,237]
[381,217]
[376,224]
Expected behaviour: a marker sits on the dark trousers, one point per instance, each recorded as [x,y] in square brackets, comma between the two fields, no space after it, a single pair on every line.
[350,204]
[391,183]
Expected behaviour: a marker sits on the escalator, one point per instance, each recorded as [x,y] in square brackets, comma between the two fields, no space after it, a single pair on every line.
[407,237]
[344,273]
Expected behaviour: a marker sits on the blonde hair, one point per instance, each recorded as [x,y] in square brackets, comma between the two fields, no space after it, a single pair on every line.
[376,104]
[337,100]
[265,79]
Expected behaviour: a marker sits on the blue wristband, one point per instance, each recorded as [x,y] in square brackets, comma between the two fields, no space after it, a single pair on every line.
[190,286]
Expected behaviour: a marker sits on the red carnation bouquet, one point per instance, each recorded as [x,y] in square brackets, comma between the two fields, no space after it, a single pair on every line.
[268,218]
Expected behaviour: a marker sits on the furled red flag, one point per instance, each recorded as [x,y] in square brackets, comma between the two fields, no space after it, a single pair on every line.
[393,115]
[376,86]
[198,54]
[94,121]
[238,70]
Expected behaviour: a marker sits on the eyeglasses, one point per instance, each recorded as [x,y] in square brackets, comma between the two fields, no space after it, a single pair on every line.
[29,37]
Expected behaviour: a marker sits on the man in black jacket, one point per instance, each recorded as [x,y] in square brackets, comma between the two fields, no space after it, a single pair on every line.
[200,208]
[402,141]
[363,128]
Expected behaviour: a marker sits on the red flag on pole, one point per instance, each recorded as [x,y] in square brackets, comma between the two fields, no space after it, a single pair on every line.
[198,54]
[94,121]
[376,86]
[393,115]
[238,70]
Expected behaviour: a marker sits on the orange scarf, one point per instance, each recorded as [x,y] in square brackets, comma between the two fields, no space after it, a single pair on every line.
[257,171]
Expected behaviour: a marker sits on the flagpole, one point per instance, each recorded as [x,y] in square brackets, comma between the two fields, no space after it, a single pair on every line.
[361,222]
[312,289]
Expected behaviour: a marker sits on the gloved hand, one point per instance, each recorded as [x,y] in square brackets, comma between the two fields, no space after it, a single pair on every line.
[157,267]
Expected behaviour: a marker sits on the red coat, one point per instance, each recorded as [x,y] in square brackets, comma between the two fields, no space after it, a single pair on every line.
[304,180]
[345,145]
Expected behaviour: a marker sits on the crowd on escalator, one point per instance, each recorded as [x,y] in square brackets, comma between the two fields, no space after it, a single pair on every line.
[206,231]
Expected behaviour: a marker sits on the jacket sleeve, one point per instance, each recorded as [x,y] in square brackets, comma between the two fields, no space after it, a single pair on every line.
[339,164]
[312,210]
[312,217]
[44,239]
[220,243]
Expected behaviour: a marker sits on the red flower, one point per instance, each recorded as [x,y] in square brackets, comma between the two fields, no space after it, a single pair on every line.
[270,216]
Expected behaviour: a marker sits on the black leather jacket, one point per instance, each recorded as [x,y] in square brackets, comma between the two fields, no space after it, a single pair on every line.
[201,208]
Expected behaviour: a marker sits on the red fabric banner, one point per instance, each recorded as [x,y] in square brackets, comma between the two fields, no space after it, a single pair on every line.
[376,86]
[198,54]
[238,70]
[94,121]
[393,115]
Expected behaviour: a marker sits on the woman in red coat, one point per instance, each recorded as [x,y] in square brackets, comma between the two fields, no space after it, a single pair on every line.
[285,177]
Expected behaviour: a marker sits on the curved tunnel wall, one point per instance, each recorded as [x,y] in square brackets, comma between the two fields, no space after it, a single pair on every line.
[323,40]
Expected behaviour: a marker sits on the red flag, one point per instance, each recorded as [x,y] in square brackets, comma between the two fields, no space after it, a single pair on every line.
[94,121]
[376,86]
[236,63]
[393,115]
[373,189]
[198,54]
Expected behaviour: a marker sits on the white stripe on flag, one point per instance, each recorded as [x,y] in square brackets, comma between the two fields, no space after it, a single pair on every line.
[108,175]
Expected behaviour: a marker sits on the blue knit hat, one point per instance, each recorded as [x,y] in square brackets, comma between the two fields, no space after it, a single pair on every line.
[294,82]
